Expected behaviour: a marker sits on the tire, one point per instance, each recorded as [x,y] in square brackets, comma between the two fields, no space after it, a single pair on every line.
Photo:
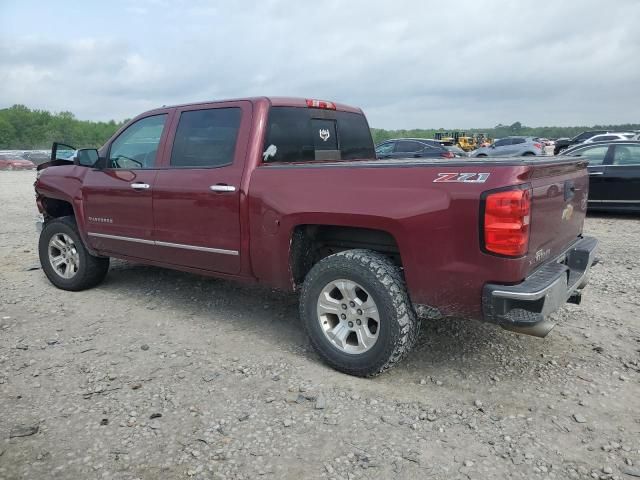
[528,154]
[379,281]
[481,155]
[60,237]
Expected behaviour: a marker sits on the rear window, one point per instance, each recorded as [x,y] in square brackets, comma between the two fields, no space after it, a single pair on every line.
[308,134]
[206,138]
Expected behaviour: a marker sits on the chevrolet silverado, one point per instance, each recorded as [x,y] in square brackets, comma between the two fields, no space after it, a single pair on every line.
[288,193]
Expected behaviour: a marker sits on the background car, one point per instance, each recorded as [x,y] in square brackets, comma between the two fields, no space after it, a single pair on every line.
[564,143]
[605,137]
[614,174]
[412,148]
[511,147]
[37,156]
[14,162]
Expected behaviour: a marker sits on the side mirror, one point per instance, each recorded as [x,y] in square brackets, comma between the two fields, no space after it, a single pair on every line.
[86,157]
[492,146]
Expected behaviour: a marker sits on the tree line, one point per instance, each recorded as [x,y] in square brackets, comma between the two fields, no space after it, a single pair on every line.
[23,128]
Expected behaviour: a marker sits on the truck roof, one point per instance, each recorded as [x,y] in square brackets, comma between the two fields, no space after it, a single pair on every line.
[272,101]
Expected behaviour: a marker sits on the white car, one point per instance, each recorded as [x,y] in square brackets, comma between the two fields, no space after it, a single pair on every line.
[607,137]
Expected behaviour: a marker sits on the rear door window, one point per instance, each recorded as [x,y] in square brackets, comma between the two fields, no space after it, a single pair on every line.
[407,146]
[296,134]
[206,138]
[626,155]
[517,141]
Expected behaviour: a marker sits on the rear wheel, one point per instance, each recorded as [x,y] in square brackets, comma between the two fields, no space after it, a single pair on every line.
[528,154]
[64,258]
[357,313]
[482,155]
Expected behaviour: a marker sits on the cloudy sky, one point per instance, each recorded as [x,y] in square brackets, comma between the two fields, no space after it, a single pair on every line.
[406,63]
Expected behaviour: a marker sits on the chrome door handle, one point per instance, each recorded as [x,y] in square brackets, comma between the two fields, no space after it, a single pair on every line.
[222,188]
[596,173]
[140,186]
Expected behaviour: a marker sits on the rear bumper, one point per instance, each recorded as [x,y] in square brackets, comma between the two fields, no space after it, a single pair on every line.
[525,306]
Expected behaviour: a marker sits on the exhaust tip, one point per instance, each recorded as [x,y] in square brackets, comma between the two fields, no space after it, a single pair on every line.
[539,330]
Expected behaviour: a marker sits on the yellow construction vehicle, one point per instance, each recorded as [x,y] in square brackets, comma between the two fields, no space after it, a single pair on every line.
[459,139]
[467,143]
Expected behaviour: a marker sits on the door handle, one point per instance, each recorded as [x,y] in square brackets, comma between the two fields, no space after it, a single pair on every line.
[140,186]
[596,173]
[222,188]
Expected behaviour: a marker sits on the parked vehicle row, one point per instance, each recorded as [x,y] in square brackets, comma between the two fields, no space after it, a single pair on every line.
[288,193]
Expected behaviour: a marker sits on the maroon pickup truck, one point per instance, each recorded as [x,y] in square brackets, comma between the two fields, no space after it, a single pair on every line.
[288,193]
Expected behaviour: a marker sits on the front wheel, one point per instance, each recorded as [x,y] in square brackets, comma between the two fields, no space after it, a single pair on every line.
[355,308]
[64,258]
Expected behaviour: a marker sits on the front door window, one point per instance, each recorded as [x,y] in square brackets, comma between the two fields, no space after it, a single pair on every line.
[137,146]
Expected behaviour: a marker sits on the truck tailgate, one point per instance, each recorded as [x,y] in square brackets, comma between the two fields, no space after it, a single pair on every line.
[558,208]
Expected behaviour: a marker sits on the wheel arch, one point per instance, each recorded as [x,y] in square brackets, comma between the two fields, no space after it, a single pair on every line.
[52,207]
[310,243]
[57,206]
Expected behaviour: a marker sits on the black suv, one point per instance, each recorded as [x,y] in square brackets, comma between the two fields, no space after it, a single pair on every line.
[564,143]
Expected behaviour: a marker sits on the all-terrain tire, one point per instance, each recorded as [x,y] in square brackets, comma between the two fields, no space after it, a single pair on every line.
[91,270]
[398,328]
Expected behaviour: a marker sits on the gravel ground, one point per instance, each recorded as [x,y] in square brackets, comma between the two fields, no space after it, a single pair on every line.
[160,374]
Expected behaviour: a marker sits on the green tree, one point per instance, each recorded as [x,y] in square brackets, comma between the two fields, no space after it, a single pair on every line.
[22,128]
[7,133]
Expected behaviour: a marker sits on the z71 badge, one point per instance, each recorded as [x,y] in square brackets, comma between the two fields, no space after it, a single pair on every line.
[462,177]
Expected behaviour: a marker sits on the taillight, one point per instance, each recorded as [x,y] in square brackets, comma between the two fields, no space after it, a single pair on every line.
[537,145]
[507,215]
[321,104]
[448,155]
